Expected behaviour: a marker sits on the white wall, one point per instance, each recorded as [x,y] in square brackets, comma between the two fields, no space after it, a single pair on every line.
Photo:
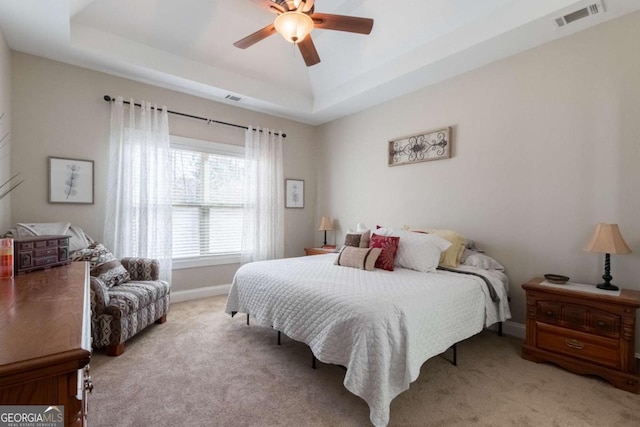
[5,107]
[546,144]
[58,110]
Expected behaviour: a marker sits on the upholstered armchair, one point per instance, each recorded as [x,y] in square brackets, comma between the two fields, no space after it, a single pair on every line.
[121,311]
[126,295]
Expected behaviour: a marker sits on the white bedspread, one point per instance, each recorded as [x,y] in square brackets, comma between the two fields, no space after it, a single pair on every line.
[381,325]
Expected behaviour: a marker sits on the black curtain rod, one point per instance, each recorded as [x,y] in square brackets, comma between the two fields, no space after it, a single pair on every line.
[110,99]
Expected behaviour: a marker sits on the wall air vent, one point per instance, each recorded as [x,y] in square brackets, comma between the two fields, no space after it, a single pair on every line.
[233,98]
[592,9]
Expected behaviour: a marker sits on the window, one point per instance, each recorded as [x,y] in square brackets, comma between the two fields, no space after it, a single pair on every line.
[207,202]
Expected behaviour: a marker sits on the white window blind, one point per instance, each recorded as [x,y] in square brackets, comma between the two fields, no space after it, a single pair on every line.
[207,198]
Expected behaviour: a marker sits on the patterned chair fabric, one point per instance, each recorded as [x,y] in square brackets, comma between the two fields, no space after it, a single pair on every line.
[120,312]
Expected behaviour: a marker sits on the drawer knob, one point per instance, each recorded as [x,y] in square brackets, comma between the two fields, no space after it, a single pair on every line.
[88,385]
[549,313]
[601,323]
[573,343]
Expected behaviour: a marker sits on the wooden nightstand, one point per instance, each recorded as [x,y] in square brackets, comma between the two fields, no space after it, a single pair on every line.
[319,251]
[583,332]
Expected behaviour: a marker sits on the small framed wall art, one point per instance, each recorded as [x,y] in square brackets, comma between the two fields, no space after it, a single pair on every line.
[294,193]
[70,180]
[425,146]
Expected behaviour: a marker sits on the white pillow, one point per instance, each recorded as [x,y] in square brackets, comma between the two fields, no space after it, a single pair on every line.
[417,251]
[476,259]
[360,227]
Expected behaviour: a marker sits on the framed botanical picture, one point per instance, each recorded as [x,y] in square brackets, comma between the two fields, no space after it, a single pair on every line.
[70,180]
[425,146]
[294,193]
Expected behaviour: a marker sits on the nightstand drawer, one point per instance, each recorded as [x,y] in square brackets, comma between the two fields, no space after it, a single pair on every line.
[605,324]
[578,317]
[575,316]
[549,312]
[563,314]
[601,350]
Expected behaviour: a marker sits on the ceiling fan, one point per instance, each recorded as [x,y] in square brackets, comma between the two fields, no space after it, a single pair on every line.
[296,19]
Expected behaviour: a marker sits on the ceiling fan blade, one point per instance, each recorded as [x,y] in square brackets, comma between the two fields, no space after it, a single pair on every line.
[350,24]
[254,38]
[308,51]
[271,6]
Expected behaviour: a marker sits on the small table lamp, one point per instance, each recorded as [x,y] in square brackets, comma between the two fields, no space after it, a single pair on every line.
[325,225]
[607,240]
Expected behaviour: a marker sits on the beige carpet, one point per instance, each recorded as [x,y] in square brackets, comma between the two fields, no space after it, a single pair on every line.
[203,368]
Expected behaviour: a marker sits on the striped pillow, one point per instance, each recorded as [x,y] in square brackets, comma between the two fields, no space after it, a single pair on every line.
[362,258]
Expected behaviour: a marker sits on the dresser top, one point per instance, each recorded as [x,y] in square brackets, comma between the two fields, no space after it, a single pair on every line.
[43,316]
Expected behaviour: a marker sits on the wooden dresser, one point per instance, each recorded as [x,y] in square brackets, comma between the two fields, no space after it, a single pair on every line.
[584,332]
[45,340]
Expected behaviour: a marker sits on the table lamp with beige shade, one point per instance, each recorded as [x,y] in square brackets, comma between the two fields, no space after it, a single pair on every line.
[607,240]
[325,225]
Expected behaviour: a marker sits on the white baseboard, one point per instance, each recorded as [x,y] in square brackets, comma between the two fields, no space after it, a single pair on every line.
[510,328]
[191,294]
[514,329]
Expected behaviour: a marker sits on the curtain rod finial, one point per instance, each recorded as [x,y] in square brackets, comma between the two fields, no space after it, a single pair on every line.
[107,98]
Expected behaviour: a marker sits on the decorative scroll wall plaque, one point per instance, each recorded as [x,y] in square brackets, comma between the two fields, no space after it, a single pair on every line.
[425,146]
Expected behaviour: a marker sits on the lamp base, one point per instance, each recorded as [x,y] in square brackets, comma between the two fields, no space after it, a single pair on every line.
[607,287]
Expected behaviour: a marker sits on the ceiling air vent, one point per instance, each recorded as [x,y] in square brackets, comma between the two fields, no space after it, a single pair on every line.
[233,98]
[576,15]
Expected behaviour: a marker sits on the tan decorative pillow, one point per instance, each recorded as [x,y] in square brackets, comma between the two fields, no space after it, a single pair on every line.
[362,258]
[450,257]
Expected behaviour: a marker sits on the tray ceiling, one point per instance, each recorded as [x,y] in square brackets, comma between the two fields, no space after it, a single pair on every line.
[187,45]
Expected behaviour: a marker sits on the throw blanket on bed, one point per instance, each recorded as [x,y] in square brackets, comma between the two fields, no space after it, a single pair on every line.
[492,291]
[381,325]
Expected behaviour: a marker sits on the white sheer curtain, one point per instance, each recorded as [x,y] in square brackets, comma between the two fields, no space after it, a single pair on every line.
[138,215]
[263,225]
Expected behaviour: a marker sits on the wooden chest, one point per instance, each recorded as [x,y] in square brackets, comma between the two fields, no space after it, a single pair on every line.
[38,252]
[584,332]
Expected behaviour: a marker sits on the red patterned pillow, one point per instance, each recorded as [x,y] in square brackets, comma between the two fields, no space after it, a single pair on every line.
[389,246]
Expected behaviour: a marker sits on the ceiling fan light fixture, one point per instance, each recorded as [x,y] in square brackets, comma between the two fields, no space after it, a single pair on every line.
[293,26]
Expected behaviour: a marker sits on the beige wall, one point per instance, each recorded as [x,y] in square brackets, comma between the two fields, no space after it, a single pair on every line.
[546,144]
[58,110]
[5,107]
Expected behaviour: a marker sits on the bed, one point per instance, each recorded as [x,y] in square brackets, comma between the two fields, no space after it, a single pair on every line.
[381,325]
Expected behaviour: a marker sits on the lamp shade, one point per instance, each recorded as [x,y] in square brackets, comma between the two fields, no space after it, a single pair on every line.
[325,224]
[293,26]
[607,240]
